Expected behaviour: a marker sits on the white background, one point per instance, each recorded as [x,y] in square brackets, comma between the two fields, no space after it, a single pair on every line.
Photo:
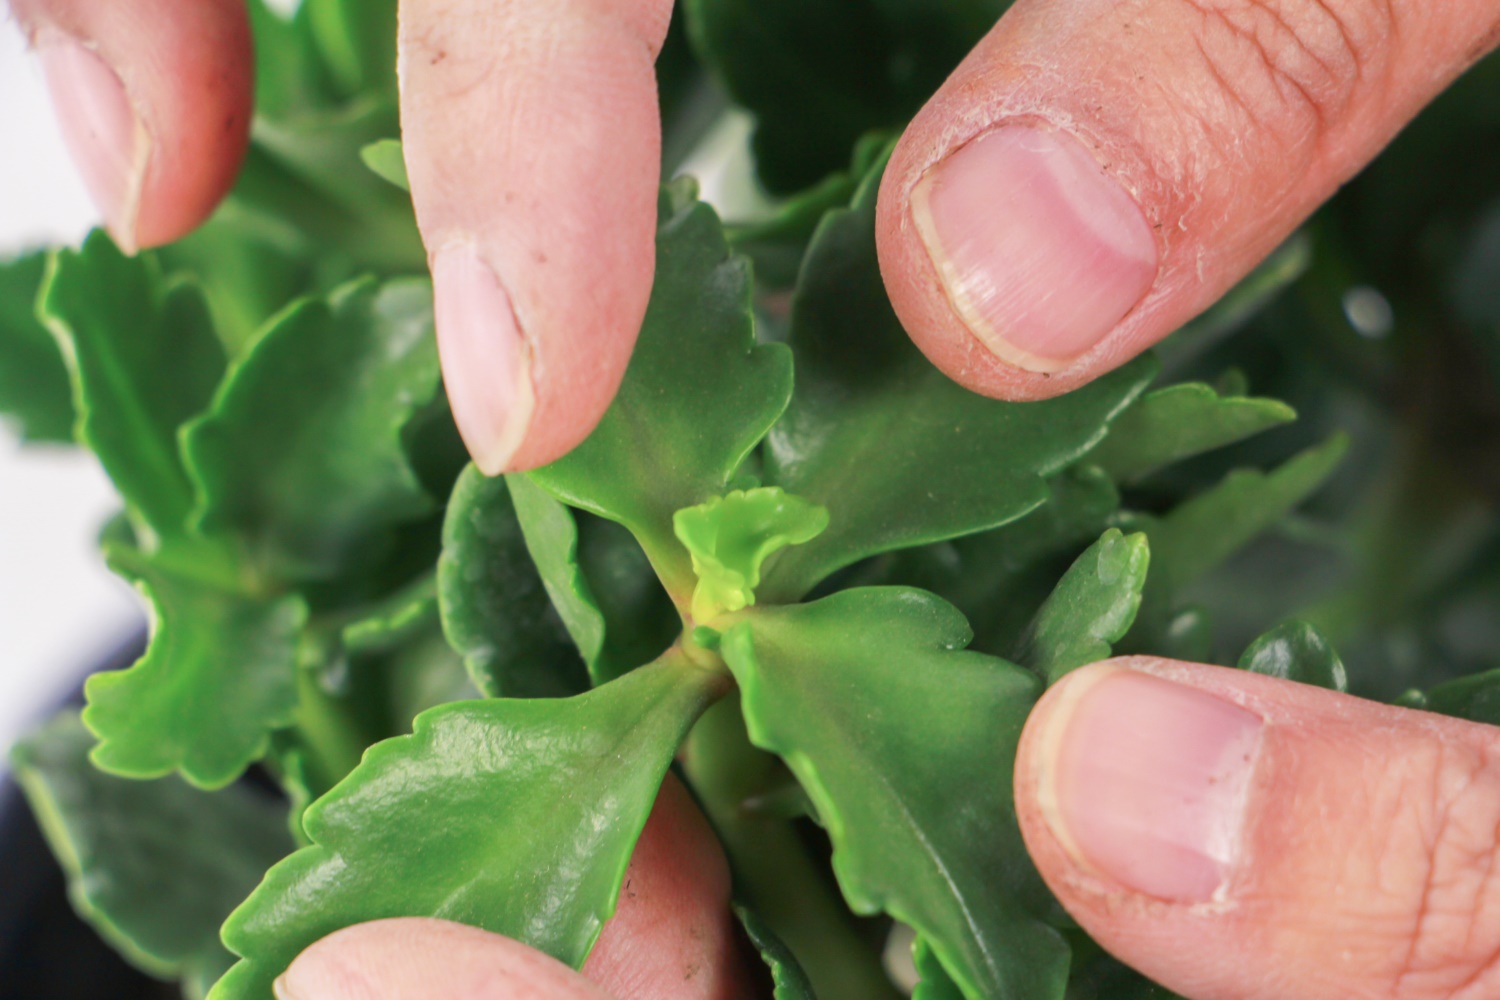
[60,609]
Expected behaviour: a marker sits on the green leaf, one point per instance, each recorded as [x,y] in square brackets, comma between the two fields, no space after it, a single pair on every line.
[698,396]
[1201,533]
[34,389]
[640,619]
[394,621]
[731,537]
[517,816]
[1093,605]
[933,981]
[301,455]
[1476,698]
[1296,651]
[219,674]
[388,160]
[495,608]
[143,360]
[1180,421]
[155,866]
[357,39]
[900,454]
[918,803]
[787,978]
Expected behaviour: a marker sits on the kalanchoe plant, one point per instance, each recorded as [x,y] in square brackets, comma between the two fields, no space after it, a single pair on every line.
[794,562]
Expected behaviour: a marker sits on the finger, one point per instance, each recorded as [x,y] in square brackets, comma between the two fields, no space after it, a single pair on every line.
[670,939]
[1098,172]
[154,99]
[1236,836]
[533,144]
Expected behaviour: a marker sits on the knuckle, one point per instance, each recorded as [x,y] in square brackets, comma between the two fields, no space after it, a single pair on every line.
[1294,66]
[1453,898]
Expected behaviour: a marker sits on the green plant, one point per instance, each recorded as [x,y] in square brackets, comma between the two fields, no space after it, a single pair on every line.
[794,561]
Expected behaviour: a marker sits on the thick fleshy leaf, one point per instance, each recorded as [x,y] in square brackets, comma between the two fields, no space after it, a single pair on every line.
[143,359]
[698,396]
[1476,698]
[153,866]
[817,74]
[388,160]
[788,980]
[517,816]
[34,390]
[301,455]
[219,674]
[1168,425]
[1296,651]
[731,537]
[918,803]
[1093,605]
[495,608]
[898,453]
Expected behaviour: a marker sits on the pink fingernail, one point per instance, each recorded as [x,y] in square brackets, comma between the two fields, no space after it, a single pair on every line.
[486,364]
[1149,781]
[1040,251]
[107,139]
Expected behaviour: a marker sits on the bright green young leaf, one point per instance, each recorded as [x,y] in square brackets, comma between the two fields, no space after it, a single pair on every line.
[918,803]
[153,866]
[517,816]
[1296,651]
[1168,425]
[1201,533]
[1093,605]
[788,980]
[495,607]
[900,454]
[301,455]
[698,396]
[731,537]
[388,160]
[34,389]
[143,359]
[219,674]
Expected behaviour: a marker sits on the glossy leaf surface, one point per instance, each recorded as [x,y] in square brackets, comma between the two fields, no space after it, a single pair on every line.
[302,455]
[918,803]
[697,397]
[1093,606]
[900,454]
[731,537]
[135,383]
[219,674]
[517,816]
[1296,651]
[153,866]
[1476,698]
[495,608]
[34,390]
[1168,425]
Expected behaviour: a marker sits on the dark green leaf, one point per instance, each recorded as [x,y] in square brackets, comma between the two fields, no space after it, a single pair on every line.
[357,40]
[154,866]
[496,612]
[388,160]
[898,453]
[398,619]
[1093,605]
[517,816]
[918,803]
[301,455]
[787,977]
[143,360]
[640,619]
[1476,698]
[34,389]
[219,674]
[1168,425]
[933,981]
[1296,651]
[699,394]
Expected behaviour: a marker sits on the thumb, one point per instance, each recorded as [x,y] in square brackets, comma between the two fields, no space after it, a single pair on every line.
[1098,172]
[1236,836]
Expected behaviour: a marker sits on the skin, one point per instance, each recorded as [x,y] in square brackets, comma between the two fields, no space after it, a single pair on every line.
[1371,832]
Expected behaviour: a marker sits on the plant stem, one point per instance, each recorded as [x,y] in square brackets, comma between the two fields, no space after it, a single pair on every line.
[774,874]
[326,733]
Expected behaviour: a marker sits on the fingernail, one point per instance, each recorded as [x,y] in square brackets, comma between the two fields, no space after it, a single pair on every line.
[485,359]
[106,137]
[1040,251]
[1147,781]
